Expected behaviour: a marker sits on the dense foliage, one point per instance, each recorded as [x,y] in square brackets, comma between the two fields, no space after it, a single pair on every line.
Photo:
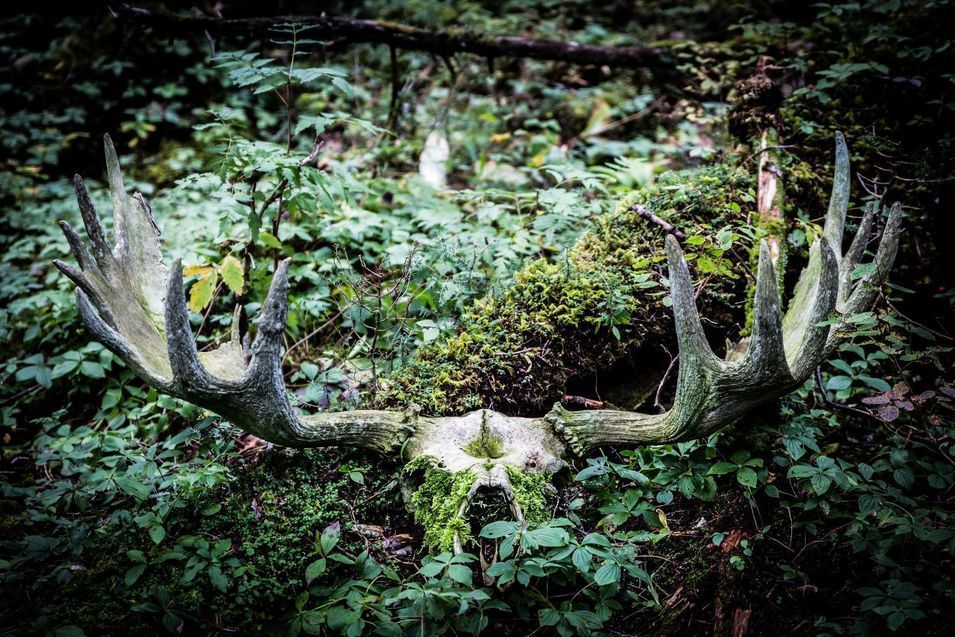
[529,278]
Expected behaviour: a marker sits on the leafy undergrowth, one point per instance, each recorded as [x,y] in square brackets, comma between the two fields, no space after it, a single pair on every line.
[526,278]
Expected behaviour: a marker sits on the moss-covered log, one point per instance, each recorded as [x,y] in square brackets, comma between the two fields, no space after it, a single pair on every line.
[516,351]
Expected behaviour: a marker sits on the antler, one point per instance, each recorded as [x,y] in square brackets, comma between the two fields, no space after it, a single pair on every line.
[135,306]
[781,353]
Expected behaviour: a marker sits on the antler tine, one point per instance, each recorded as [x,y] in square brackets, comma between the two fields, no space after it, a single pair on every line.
[116,343]
[94,227]
[865,291]
[854,255]
[815,332]
[766,355]
[695,350]
[839,198]
[188,372]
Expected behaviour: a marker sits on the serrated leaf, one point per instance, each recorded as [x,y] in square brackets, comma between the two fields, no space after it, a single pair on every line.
[197,270]
[233,273]
[200,294]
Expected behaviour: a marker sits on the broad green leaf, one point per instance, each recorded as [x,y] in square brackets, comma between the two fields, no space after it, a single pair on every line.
[609,573]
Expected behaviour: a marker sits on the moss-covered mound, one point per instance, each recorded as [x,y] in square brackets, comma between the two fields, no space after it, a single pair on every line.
[601,300]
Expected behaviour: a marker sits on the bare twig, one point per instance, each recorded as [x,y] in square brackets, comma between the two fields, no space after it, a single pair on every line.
[667,227]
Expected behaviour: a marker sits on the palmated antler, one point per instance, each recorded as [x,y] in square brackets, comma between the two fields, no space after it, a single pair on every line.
[140,315]
[781,353]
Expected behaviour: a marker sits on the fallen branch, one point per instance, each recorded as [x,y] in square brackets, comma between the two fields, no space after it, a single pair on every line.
[446,43]
[669,228]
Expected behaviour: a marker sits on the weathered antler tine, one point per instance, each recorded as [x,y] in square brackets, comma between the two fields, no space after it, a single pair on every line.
[766,355]
[815,310]
[272,316]
[267,347]
[117,191]
[694,348]
[187,369]
[866,290]
[853,256]
[89,291]
[79,249]
[839,198]
[94,226]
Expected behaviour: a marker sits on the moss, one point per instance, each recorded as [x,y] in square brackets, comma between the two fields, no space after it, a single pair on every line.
[595,303]
[438,504]
[487,445]
[530,491]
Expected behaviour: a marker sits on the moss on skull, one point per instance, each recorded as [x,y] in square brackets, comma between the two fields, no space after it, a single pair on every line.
[440,502]
[531,492]
[596,302]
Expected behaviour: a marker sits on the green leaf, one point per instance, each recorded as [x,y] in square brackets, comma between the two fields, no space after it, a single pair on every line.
[496,530]
[801,471]
[269,240]
[133,487]
[134,574]
[92,370]
[548,537]
[582,559]
[722,468]
[837,383]
[903,477]
[218,579]
[746,477]
[460,574]
[869,503]
[157,533]
[609,573]
[315,569]
[431,569]
[233,273]
[820,483]
[875,383]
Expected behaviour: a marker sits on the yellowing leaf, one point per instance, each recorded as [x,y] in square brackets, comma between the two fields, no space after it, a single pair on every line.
[233,273]
[200,294]
[197,270]
[663,519]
